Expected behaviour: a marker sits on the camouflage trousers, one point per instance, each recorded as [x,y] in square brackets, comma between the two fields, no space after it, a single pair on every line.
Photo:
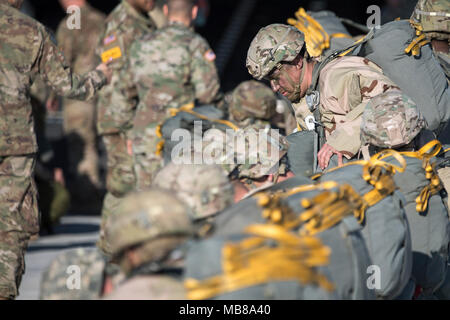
[110,207]
[120,180]
[19,219]
[146,161]
[79,127]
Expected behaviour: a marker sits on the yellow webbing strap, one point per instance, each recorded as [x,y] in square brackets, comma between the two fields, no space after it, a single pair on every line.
[253,262]
[316,38]
[418,42]
[428,151]
[340,35]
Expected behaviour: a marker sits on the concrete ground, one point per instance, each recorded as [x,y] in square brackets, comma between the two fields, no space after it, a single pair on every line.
[74,231]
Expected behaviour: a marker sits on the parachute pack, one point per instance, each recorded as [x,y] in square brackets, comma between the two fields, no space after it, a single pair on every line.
[408,60]
[282,205]
[385,226]
[427,216]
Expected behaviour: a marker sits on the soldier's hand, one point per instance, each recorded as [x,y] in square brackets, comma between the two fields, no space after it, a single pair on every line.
[107,71]
[52,104]
[130,147]
[325,155]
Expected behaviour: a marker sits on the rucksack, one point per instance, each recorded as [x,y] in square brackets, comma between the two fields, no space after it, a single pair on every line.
[349,259]
[385,227]
[420,77]
[208,116]
[427,217]
[266,262]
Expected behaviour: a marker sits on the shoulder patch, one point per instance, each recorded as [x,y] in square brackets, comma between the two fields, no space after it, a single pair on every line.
[210,55]
[110,39]
[111,54]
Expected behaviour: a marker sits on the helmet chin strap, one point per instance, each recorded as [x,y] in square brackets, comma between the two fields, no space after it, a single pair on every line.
[297,86]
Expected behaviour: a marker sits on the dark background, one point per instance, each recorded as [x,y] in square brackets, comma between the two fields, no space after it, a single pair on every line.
[222,13]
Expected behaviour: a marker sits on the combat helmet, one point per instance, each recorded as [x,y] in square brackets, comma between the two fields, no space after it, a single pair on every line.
[434,17]
[252,99]
[55,284]
[204,188]
[272,45]
[391,120]
[145,216]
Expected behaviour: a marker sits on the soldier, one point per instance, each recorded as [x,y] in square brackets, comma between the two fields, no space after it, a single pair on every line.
[393,121]
[433,17]
[170,68]
[27,51]
[337,89]
[127,22]
[204,188]
[252,103]
[253,159]
[91,264]
[78,46]
[145,235]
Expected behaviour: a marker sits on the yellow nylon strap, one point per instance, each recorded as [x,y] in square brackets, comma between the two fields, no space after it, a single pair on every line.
[428,151]
[340,35]
[416,44]
[446,150]
[316,38]
[350,50]
[253,262]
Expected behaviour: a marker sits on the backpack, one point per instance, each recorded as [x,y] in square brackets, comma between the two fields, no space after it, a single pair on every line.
[385,227]
[209,116]
[349,256]
[427,217]
[263,263]
[420,77]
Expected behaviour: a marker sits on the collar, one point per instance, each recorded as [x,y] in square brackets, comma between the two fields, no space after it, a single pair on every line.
[134,13]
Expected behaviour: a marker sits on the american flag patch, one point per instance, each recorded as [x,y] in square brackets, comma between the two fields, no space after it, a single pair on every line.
[109,39]
[210,55]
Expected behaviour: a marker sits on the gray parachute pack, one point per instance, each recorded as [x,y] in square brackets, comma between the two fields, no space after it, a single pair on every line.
[385,228]
[428,221]
[420,77]
[349,259]
[207,116]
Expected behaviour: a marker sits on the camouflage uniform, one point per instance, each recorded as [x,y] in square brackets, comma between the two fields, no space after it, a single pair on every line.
[204,188]
[247,154]
[56,278]
[27,51]
[123,26]
[169,68]
[251,103]
[433,17]
[78,47]
[390,120]
[152,223]
[345,85]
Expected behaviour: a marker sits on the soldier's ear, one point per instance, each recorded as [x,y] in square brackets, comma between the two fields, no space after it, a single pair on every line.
[194,12]
[166,10]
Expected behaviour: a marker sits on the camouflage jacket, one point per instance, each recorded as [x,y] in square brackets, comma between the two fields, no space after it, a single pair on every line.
[78,45]
[123,26]
[169,68]
[346,85]
[28,51]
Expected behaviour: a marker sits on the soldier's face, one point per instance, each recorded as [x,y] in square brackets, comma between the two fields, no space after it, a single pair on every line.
[284,80]
[16,3]
[144,5]
[67,3]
